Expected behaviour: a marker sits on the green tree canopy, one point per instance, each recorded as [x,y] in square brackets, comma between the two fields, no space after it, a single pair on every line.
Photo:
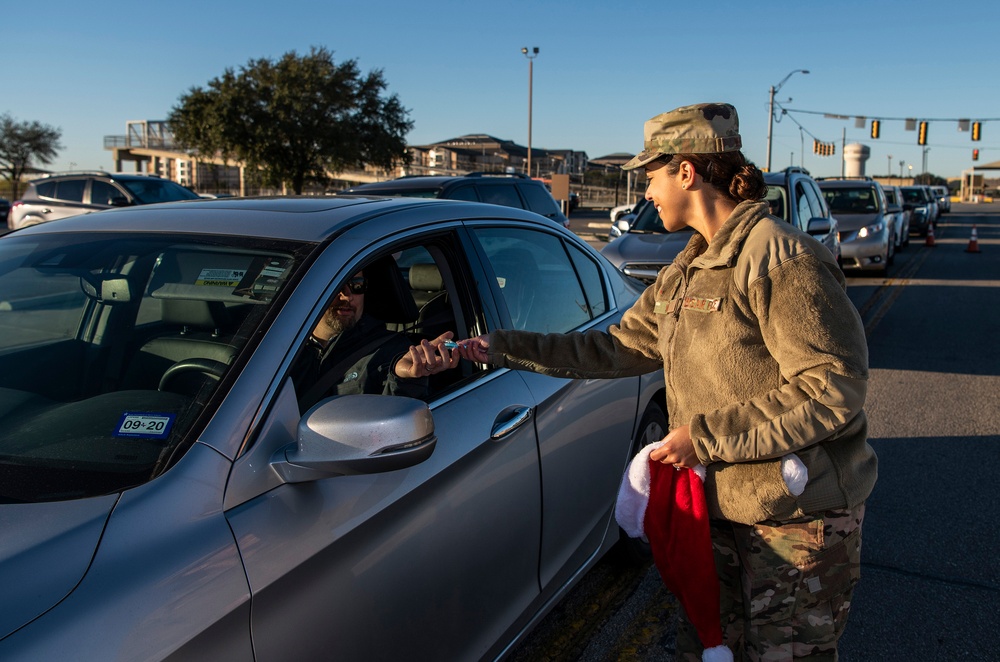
[295,119]
[22,143]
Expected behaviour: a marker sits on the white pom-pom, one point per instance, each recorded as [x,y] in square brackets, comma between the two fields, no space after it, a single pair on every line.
[717,654]
[795,473]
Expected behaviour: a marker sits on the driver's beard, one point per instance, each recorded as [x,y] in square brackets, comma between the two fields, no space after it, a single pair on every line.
[338,324]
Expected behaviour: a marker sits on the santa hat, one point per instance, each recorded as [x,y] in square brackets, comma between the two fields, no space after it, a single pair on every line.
[667,507]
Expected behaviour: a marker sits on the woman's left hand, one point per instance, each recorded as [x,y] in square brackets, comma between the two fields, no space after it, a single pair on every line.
[677,449]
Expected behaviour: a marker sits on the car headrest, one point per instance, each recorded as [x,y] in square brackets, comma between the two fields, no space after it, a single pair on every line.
[199,314]
[426,278]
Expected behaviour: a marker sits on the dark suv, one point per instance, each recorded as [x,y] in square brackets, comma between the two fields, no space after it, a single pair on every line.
[58,196]
[509,190]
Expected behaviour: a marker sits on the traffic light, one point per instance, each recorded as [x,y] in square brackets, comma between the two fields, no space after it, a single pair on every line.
[975,155]
[922,134]
[975,131]
[875,128]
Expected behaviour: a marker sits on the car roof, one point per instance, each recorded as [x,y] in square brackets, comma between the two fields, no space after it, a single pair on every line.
[291,218]
[846,183]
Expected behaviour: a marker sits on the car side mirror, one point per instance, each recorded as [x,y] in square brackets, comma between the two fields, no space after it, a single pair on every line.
[893,209]
[119,201]
[819,226]
[357,434]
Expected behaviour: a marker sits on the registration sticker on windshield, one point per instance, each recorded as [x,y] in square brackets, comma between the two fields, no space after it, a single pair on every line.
[145,425]
[221,277]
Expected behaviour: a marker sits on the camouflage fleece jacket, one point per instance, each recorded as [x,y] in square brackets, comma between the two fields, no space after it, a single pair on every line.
[764,355]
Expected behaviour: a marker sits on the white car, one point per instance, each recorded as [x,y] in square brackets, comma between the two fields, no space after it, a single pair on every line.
[621,210]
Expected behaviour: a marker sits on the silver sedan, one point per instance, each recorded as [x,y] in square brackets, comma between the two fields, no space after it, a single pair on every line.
[169,489]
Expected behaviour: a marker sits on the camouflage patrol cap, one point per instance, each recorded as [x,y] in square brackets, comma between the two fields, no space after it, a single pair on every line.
[704,128]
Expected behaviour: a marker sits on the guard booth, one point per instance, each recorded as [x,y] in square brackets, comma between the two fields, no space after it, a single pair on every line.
[972,182]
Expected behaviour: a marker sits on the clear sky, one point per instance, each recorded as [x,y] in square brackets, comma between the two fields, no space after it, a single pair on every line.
[604,67]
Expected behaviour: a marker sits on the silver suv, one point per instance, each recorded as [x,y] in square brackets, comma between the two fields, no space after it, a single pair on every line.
[59,196]
[867,229]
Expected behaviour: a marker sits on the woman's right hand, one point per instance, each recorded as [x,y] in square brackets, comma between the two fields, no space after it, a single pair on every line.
[475,349]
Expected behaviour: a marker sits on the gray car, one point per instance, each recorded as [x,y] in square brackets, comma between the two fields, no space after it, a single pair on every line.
[646,246]
[867,229]
[794,196]
[63,195]
[165,492]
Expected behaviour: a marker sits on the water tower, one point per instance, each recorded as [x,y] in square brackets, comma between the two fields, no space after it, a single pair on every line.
[855,156]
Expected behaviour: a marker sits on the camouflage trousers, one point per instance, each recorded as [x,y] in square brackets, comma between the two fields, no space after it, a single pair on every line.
[786,587]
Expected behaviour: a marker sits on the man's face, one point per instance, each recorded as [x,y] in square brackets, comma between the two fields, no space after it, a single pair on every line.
[347,307]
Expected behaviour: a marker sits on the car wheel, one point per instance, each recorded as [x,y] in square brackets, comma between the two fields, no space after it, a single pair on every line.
[652,428]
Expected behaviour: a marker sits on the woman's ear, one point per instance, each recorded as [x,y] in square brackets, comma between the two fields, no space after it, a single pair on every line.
[687,174]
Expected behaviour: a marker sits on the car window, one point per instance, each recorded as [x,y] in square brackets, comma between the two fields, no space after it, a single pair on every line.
[500,194]
[115,346]
[802,204]
[70,190]
[590,280]
[46,189]
[539,200]
[148,191]
[890,196]
[777,201]
[411,293]
[464,193]
[103,193]
[816,209]
[536,279]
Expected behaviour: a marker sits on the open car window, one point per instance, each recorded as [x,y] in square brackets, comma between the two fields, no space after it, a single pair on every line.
[114,347]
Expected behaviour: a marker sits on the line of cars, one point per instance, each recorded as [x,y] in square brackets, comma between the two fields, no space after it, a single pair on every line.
[860,221]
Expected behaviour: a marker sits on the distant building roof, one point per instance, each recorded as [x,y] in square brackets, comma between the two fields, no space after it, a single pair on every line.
[616,159]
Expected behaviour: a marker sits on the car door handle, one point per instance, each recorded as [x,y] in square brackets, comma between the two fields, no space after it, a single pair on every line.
[509,420]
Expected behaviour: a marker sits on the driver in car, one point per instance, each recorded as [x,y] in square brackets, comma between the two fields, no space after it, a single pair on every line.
[350,352]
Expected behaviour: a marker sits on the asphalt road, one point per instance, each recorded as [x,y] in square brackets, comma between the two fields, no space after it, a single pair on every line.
[930,587]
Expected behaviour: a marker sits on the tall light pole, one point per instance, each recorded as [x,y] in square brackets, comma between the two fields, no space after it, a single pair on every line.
[770,117]
[531,62]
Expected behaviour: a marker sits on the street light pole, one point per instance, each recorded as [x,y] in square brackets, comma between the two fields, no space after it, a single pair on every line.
[770,117]
[531,62]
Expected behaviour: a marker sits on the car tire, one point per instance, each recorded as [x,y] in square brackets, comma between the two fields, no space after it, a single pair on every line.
[652,428]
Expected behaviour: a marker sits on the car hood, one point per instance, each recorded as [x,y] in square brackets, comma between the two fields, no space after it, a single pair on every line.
[853,222]
[634,247]
[45,550]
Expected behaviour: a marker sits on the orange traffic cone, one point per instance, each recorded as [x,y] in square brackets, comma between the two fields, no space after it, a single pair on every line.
[930,235]
[973,246]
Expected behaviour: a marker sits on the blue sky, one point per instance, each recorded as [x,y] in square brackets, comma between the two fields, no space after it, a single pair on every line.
[603,68]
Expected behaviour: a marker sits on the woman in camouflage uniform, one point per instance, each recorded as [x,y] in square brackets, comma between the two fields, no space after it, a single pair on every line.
[766,367]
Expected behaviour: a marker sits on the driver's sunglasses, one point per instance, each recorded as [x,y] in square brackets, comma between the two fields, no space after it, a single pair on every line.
[357,285]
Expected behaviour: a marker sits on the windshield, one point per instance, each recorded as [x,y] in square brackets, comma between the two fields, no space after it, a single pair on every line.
[112,348]
[914,195]
[647,220]
[148,191]
[853,200]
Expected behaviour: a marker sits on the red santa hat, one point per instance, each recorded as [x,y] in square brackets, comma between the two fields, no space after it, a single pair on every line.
[667,507]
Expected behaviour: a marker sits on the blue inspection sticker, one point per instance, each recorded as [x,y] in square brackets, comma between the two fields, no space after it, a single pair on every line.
[144,425]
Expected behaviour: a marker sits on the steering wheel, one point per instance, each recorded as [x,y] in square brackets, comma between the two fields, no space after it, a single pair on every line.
[208,367]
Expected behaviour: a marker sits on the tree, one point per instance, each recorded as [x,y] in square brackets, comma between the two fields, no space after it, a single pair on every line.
[295,119]
[22,143]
